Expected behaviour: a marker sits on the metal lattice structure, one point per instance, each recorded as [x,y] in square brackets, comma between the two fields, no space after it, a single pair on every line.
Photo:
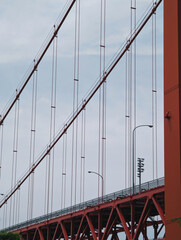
[104,220]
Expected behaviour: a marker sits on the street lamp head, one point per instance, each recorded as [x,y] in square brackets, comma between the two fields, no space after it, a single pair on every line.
[99,175]
[143,125]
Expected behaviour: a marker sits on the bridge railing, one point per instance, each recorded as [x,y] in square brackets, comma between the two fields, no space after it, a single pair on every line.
[109,197]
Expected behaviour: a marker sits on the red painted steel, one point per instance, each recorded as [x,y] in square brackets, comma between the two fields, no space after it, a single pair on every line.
[172,108]
[106,220]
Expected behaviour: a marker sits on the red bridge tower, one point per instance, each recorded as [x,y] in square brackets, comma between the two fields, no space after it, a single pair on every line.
[172,111]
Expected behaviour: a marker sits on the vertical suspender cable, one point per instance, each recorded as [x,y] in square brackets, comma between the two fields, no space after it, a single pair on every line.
[49,185]
[126,121]
[14,163]
[17,210]
[130,98]
[5,215]
[84,134]
[50,177]
[100,99]
[75,102]
[11,199]
[134,78]
[65,168]
[82,172]
[46,182]
[154,96]
[1,147]
[132,89]
[72,162]
[102,103]
[33,143]
[99,140]
[51,155]
[16,155]
[153,89]
[156,107]
[34,138]
[81,160]
[53,108]
[77,92]
[32,146]
[64,173]
[127,106]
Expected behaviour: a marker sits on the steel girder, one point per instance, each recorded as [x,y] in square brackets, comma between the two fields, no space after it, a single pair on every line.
[123,218]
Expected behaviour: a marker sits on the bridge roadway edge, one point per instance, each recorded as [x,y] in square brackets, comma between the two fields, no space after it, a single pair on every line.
[108,211]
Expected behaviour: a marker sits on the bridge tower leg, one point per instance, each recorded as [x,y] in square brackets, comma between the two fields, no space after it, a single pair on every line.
[172,111]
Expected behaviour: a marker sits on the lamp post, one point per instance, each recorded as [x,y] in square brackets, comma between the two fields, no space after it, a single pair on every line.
[102,180]
[150,126]
[140,170]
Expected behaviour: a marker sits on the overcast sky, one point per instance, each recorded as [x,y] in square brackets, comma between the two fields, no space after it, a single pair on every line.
[24,26]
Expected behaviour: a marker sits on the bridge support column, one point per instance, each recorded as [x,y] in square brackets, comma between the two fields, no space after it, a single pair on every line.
[99,226]
[172,111]
[72,230]
[132,219]
[155,226]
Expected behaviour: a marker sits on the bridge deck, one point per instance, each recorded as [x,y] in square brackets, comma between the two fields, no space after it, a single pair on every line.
[91,217]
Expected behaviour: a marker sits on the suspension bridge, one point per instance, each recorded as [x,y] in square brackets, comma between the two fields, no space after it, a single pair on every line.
[85,184]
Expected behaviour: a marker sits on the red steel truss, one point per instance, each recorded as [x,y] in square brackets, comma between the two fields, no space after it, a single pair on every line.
[131,215]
